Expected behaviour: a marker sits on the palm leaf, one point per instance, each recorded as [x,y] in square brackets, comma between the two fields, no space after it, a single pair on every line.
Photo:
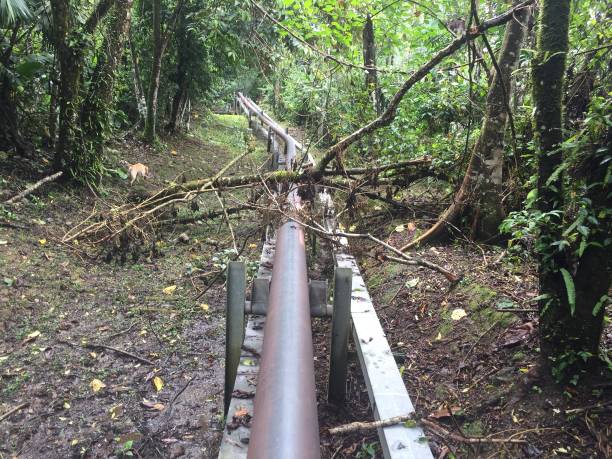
[13,10]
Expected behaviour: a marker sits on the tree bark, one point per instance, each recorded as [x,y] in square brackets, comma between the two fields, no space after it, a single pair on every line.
[369,61]
[94,113]
[158,52]
[568,340]
[489,158]
[70,46]
[482,180]
[141,103]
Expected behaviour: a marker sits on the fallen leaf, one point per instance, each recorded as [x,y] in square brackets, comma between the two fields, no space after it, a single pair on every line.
[445,412]
[8,281]
[252,245]
[517,335]
[74,442]
[42,241]
[205,307]
[3,242]
[241,412]
[152,406]
[169,290]
[411,283]
[399,228]
[411,226]
[96,385]
[66,405]
[31,337]
[173,152]
[458,314]
[116,411]
[158,383]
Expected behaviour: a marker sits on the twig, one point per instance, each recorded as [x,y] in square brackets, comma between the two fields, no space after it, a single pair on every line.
[110,348]
[227,220]
[13,410]
[32,188]
[122,332]
[590,407]
[119,351]
[438,429]
[250,350]
[361,426]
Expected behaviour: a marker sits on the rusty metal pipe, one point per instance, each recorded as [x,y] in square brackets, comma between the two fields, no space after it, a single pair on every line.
[285,423]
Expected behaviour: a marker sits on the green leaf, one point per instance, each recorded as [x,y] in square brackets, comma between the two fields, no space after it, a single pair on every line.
[571,289]
[411,283]
[31,65]
[599,304]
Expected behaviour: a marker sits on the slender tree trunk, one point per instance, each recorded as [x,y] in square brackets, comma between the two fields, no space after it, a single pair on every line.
[489,150]
[141,103]
[158,51]
[483,174]
[568,339]
[369,60]
[177,102]
[52,119]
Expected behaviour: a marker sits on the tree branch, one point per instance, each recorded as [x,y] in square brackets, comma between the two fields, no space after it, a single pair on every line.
[389,114]
[97,15]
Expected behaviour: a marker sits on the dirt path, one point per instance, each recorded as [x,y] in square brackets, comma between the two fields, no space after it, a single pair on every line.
[56,304]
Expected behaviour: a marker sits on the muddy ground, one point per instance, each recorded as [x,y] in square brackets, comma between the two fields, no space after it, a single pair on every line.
[468,353]
[458,347]
[57,302]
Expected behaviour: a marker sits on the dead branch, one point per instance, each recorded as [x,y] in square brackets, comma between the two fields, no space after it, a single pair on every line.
[13,410]
[436,428]
[403,258]
[118,351]
[227,220]
[109,348]
[451,276]
[33,188]
[361,426]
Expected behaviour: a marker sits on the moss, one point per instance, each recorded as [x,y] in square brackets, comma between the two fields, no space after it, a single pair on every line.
[480,308]
[474,428]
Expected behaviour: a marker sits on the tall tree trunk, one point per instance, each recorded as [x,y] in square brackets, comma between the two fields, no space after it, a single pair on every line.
[94,113]
[70,46]
[483,174]
[70,70]
[489,157]
[52,119]
[158,52]
[177,102]
[569,334]
[141,103]
[369,60]
[10,135]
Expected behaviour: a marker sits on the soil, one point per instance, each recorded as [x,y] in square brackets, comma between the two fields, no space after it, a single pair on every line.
[469,366]
[57,301]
